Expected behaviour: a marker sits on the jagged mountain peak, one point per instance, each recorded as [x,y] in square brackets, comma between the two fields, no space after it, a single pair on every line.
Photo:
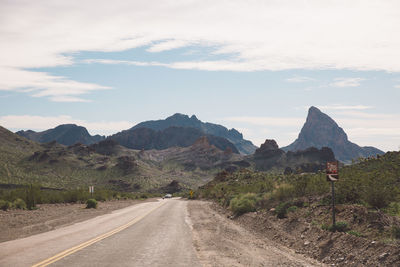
[320,130]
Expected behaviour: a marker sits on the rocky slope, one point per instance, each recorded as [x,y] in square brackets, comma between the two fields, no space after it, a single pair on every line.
[180,120]
[65,134]
[147,138]
[269,156]
[320,131]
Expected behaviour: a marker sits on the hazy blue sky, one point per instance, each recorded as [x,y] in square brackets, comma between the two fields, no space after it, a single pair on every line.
[256,66]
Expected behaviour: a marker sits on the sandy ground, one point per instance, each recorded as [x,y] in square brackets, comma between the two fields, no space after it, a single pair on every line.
[22,223]
[221,242]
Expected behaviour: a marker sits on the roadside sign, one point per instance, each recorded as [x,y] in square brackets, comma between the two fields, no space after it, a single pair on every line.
[332,175]
[332,171]
[91,189]
[191,193]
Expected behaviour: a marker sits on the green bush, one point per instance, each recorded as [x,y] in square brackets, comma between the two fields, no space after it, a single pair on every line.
[19,204]
[283,192]
[91,203]
[292,209]
[282,209]
[243,203]
[379,192]
[355,233]
[393,209]
[339,227]
[5,205]
[396,232]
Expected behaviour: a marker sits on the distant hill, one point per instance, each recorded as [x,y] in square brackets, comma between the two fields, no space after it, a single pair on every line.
[320,131]
[107,164]
[180,120]
[270,157]
[65,134]
[147,138]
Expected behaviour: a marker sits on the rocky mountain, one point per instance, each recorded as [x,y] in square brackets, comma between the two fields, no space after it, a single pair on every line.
[270,157]
[147,138]
[65,134]
[201,155]
[320,131]
[180,120]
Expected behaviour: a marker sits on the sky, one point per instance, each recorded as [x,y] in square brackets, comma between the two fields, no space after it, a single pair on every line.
[256,66]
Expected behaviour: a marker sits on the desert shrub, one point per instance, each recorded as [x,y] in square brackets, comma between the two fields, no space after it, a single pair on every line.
[292,209]
[32,196]
[282,209]
[355,233]
[5,205]
[339,227]
[326,227]
[91,203]
[283,192]
[19,204]
[393,209]
[243,203]
[379,192]
[396,232]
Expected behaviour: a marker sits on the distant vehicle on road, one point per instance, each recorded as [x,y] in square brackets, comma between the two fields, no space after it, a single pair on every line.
[167,196]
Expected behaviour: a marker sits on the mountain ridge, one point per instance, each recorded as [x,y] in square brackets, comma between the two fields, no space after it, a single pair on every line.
[65,134]
[181,120]
[147,138]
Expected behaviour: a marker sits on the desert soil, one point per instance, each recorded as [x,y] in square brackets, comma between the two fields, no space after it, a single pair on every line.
[219,241]
[299,232]
[22,223]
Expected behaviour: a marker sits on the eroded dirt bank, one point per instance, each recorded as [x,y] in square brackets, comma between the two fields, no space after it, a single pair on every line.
[22,223]
[297,232]
[220,241]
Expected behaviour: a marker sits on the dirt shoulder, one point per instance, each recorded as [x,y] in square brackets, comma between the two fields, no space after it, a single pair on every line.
[220,241]
[301,231]
[22,223]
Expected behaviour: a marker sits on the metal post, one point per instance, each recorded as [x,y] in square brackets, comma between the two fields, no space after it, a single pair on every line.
[333,205]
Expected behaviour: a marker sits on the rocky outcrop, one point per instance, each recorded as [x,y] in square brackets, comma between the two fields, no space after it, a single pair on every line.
[270,157]
[107,147]
[320,131]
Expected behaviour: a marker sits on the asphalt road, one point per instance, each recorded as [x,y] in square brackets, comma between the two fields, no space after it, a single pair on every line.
[147,234]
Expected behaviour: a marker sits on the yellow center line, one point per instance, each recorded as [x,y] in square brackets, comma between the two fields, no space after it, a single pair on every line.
[83,245]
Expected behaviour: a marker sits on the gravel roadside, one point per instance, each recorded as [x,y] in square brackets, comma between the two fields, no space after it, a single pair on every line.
[221,242]
[22,223]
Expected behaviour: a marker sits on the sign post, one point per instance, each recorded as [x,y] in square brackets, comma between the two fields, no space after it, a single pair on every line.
[332,175]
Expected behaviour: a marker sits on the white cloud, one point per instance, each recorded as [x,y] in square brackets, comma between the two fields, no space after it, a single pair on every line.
[41,84]
[168,45]
[40,123]
[347,82]
[299,79]
[249,35]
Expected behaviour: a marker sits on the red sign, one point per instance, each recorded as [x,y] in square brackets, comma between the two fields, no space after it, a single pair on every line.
[332,171]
